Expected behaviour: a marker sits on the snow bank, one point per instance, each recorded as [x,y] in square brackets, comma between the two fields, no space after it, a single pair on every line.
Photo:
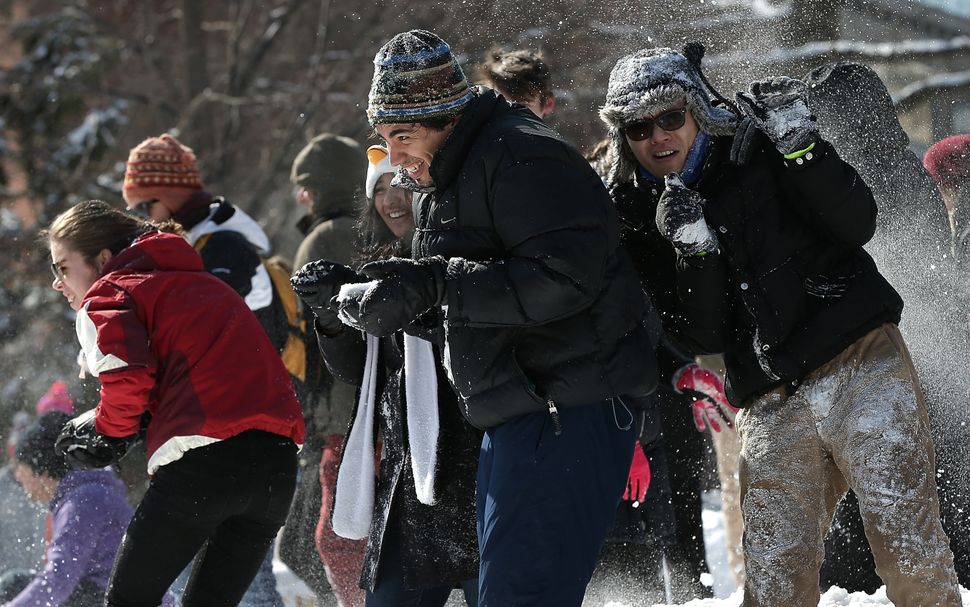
[835,597]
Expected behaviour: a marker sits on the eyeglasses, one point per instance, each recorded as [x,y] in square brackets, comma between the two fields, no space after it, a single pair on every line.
[668,121]
[56,271]
[141,209]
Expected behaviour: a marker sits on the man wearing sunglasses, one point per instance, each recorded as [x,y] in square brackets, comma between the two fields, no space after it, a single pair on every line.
[747,228]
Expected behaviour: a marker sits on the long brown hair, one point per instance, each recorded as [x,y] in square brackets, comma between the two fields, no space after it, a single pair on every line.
[91,226]
[374,239]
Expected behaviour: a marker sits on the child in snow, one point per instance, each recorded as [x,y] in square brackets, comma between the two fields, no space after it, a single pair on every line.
[420,518]
[756,228]
[88,516]
[166,338]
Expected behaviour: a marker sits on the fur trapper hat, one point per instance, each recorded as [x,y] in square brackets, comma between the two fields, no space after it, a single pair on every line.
[649,81]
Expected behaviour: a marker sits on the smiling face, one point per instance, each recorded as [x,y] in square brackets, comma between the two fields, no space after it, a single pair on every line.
[413,146]
[393,205]
[74,275]
[665,152]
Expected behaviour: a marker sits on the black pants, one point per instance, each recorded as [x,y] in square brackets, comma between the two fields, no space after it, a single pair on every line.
[229,500]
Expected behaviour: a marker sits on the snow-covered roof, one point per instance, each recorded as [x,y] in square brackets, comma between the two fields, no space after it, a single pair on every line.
[955,7]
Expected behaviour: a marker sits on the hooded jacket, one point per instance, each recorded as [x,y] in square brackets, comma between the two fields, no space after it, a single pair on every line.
[542,306]
[89,516]
[166,337]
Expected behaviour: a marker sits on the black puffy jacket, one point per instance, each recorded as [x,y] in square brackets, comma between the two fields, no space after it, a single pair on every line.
[543,305]
[791,287]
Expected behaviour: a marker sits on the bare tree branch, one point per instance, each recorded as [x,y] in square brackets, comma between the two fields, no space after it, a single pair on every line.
[276,22]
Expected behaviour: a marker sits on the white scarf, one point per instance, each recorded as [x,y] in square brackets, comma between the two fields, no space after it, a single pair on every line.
[353,507]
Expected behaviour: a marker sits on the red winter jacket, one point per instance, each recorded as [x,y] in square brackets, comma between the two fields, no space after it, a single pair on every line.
[165,336]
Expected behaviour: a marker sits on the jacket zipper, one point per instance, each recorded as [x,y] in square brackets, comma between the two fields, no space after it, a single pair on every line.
[554,413]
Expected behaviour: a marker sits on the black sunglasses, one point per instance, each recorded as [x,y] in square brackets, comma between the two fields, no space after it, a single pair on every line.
[668,121]
[141,209]
[56,271]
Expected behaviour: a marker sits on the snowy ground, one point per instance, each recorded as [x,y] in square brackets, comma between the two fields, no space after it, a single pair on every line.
[296,594]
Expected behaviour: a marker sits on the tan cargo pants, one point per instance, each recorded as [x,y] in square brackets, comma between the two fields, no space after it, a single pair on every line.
[857,421]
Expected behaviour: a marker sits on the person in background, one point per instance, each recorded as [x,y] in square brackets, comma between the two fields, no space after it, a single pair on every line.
[163,183]
[758,228]
[88,516]
[22,523]
[184,362]
[420,519]
[856,115]
[948,162]
[326,175]
[521,76]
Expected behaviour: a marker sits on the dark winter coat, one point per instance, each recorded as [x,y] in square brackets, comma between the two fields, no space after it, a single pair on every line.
[439,546]
[89,516]
[542,305]
[164,336]
[791,287]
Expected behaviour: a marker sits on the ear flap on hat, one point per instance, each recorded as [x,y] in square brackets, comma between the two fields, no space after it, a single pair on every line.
[378,163]
[376,153]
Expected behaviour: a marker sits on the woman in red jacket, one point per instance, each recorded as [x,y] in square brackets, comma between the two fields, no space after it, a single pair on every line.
[169,339]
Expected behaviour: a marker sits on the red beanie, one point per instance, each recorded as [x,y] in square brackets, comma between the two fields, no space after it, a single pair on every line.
[948,161]
[160,163]
[56,398]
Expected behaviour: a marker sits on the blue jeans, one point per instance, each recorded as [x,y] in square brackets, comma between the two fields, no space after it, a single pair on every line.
[545,502]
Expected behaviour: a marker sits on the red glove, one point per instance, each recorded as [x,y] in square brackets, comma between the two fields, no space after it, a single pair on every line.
[710,404]
[639,479]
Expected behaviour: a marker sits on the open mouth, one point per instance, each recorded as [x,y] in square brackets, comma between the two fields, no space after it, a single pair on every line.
[397,214]
[664,154]
[414,168]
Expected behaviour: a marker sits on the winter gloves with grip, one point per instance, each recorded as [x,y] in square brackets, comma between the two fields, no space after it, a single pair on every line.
[639,479]
[680,219]
[710,406]
[85,448]
[778,108]
[317,283]
[404,289]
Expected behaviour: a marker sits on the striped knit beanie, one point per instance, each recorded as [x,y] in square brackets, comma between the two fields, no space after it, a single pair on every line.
[158,165]
[416,78]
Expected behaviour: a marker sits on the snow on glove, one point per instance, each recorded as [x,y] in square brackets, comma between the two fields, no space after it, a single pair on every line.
[316,283]
[639,479]
[404,289]
[778,108]
[710,406]
[85,448]
[680,219]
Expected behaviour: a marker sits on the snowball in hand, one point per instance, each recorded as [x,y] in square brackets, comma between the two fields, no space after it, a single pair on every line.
[348,302]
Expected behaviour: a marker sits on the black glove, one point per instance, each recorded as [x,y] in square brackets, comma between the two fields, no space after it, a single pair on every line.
[747,139]
[84,448]
[778,108]
[316,283]
[680,219]
[403,290]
